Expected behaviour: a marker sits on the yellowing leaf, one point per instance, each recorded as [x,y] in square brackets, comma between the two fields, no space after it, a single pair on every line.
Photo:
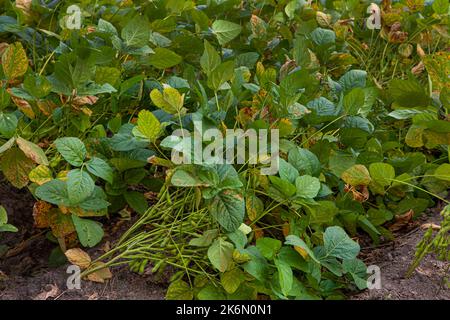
[14,61]
[32,151]
[78,257]
[60,223]
[149,125]
[231,280]
[414,136]
[438,67]
[46,106]
[301,251]
[40,175]
[16,167]
[24,106]
[356,175]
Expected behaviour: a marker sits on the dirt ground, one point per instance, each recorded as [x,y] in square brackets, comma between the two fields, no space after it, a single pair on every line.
[25,273]
[394,259]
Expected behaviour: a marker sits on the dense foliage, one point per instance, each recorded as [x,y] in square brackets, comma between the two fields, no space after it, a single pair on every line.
[363,115]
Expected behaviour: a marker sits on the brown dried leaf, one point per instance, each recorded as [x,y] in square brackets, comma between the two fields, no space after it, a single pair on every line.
[100,275]
[402,220]
[24,6]
[81,101]
[78,257]
[51,293]
[41,211]
[434,226]
[418,68]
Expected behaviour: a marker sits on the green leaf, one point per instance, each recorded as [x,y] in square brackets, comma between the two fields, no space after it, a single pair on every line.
[304,161]
[358,270]
[7,145]
[322,110]
[408,93]
[8,228]
[32,151]
[205,239]
[54,192]
[210,58]
[223,73]
[94,203]
[295,241]
[149,125]
[307,186]
[322,36]
[8,124]
[164,58]
[14,61]
[211,292]
[179,290]
[100,168]
[72,150]
[287,188]
[357,175]
[3,216]
[338,244]
[137,201]
[285,276]
[136,32]
[353,101]
[184,178]
[382,173]
[225,31]
[220,253]
[443,172]
[402,114]
[228,208]
[228,178]
[106,27]
[5,98]
[353,79]
[90,233]
[79,185]
[37,85]
[287,171]
[107,75]
[440,6]
[268,247]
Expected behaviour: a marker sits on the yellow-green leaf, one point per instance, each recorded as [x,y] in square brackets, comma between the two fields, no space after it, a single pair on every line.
[443,172]
[14,61]
[231,280]
[149,125]
[40,175]
[170,100]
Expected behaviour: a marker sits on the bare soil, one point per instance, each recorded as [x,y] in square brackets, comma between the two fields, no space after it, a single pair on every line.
[25,272]
[394,259]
